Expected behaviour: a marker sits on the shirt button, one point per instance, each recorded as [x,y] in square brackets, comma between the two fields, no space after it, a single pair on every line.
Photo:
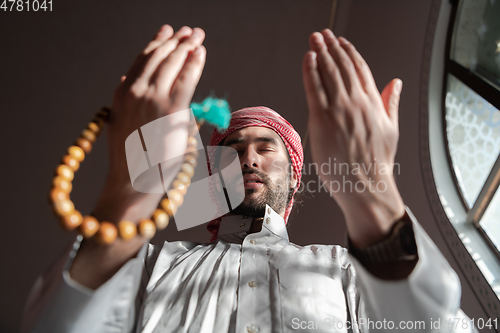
[242,225]
[269,210]
[268,220]
[252,284]
[253,242]
[253,328]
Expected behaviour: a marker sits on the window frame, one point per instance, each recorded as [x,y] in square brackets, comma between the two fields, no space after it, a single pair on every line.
[490,94]
[463,242]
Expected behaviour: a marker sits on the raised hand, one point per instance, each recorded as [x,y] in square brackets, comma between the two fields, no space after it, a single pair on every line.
[354,129]
[161,82]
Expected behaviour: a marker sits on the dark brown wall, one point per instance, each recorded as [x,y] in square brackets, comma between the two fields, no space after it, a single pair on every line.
[58,68]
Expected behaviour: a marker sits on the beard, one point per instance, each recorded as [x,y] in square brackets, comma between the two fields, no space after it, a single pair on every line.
[275,194]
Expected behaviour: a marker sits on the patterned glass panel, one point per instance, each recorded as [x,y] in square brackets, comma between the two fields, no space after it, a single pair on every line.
[473,131]
[490,221]
[476,38]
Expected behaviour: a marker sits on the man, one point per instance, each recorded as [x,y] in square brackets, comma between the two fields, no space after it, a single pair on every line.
[251,278]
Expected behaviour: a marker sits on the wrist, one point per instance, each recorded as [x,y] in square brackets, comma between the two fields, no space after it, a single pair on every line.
[120,201]
[95,264]
[370,217]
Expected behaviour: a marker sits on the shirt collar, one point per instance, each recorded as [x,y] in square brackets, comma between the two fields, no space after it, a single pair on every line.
[234,228]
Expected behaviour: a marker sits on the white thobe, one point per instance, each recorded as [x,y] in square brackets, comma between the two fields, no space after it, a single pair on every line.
[257,282]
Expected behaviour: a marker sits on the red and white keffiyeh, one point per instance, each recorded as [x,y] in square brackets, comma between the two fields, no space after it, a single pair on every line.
[262,116]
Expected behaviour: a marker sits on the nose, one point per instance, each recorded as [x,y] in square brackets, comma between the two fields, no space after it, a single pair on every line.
[250,158]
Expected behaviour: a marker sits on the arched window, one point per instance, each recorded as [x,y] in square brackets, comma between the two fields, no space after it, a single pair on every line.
[472,115]
[460,137]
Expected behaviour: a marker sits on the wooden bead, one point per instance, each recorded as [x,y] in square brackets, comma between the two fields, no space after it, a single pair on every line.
[146,228]
[64,207]
[191,159]
[184,178]
[71,221]
[77,153]
[160,218]
[62,183]
[71,162]
[66,172]
[84,144]
[107,233]
[89,226]
[169,207]
[99,121]
[57,194]
[127,230]
[194,152]
[88,135]
[104,113]
[94,128]
[187,169]
[176,197]
[178,185]
[192,142]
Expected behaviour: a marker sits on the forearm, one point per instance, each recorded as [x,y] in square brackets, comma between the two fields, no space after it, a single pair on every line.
[370,217]
[119,200]
[96,263]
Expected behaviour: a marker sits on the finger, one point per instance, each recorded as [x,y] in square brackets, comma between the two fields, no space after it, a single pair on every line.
[390,97]
[327,69]
[123,78]
[364,73]
[162,35]
[315,92]
[185,84]
[343,62]
[169,69]
[158,55]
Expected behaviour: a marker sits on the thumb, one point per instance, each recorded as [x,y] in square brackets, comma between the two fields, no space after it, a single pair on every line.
[390,97]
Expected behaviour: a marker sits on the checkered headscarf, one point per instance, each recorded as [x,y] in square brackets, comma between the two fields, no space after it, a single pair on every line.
[262,116]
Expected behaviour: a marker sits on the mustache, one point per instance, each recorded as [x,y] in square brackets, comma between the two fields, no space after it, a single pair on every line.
[249,171]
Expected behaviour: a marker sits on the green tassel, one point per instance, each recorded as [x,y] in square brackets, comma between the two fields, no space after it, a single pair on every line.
[213,110]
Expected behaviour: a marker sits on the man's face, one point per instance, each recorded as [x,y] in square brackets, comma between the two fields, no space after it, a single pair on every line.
[267,174]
